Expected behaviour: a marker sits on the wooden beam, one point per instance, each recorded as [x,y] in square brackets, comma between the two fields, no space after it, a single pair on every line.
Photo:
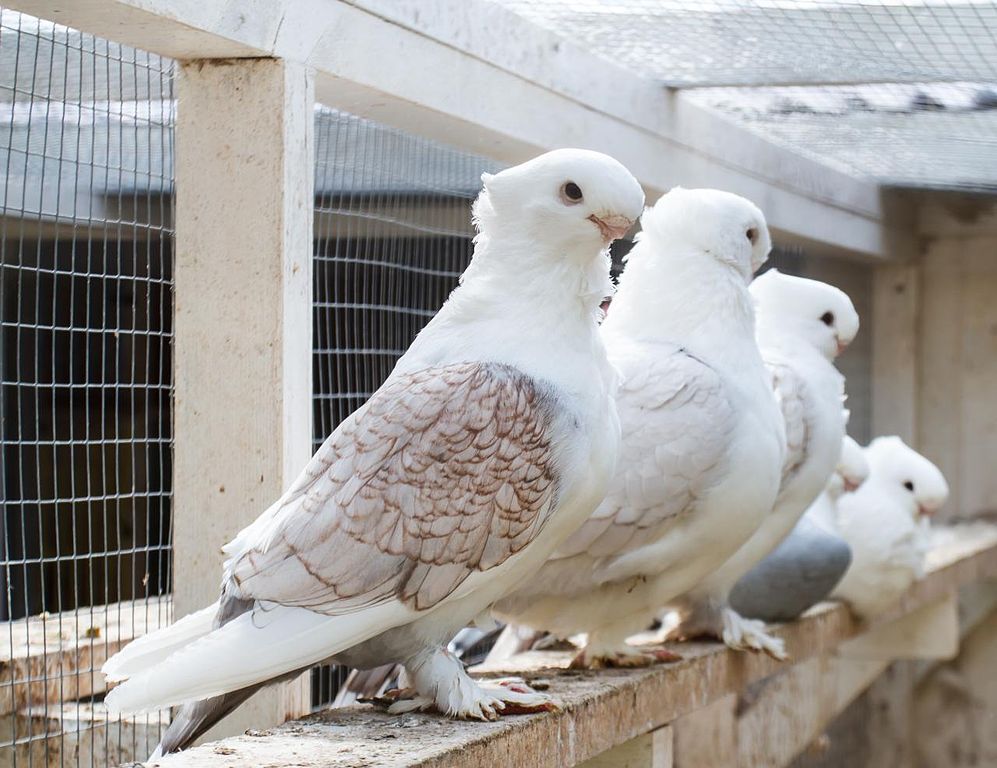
[780,716]
[503,87]
[707,737]
[243,328]
[649,750]
[602,710]
[930,632]
[77,734]
[895,312]
[57,657]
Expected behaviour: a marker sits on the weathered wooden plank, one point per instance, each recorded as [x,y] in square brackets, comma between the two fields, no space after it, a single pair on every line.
[953,707]
[895,309]
[780,716]
[651,750]
[707,737]
[930,632]
[57,657]
[601,709]
[77,734]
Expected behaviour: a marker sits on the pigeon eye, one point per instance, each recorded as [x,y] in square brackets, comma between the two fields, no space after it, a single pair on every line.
[571,193]
[752,235]
[827,318]
[909,486]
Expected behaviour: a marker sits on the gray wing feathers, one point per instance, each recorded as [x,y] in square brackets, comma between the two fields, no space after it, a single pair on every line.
[803,570]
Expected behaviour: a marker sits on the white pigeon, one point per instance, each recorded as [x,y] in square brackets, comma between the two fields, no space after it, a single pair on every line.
[848,476]
[885,522]
[802,325]
[702,435]
[492,440]
[810,562]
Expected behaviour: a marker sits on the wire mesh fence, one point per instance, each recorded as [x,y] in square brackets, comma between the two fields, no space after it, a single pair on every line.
[85,409]
[392,235]
[904,91]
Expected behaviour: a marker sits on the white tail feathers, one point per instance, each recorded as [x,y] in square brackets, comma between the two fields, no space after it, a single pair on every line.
[148,650]
[251,649]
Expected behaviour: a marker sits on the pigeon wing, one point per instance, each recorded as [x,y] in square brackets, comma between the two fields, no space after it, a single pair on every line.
[443,472]
[791,395]
[676,421]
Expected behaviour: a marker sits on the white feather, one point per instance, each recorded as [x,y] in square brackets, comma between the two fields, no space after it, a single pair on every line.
[149,650]
[793,342]
[250,649]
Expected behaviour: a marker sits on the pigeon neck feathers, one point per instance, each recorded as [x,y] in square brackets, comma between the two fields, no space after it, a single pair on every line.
[531,271]
[680,296]
[513,306]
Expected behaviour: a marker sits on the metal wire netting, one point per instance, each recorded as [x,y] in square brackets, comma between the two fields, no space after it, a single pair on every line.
[85,411]
[900,91]
[392,235]
[688,43]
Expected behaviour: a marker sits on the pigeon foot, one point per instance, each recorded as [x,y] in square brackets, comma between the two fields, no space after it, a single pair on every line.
[487,700]
[627,657]
[743,634]
[441,684]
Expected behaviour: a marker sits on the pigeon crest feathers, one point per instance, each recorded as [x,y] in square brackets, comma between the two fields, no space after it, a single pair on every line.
[570,198]
[906,476]
[687,275]
[729,227]
[817,312]
[552,219]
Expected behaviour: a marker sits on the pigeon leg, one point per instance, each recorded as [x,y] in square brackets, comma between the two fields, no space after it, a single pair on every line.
[712,618]
[440,683]
[609,649]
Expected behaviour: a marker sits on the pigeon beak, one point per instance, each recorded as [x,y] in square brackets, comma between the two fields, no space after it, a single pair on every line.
[926,510]
[612,227]
[850,484]
[842,346]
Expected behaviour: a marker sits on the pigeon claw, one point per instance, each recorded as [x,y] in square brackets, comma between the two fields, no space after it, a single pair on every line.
[485,700]
[624,659]
[743,634]
[663,655]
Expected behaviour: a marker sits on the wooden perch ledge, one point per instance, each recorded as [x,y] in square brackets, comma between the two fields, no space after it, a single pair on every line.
[714,708]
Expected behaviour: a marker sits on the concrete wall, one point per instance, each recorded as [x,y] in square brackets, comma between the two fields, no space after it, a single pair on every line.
[935,361]
[956,405]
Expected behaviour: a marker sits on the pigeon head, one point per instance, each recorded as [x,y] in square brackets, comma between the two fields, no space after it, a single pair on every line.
[574,200]
[725,226]
[907,476]
[852,469]
[819,313]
